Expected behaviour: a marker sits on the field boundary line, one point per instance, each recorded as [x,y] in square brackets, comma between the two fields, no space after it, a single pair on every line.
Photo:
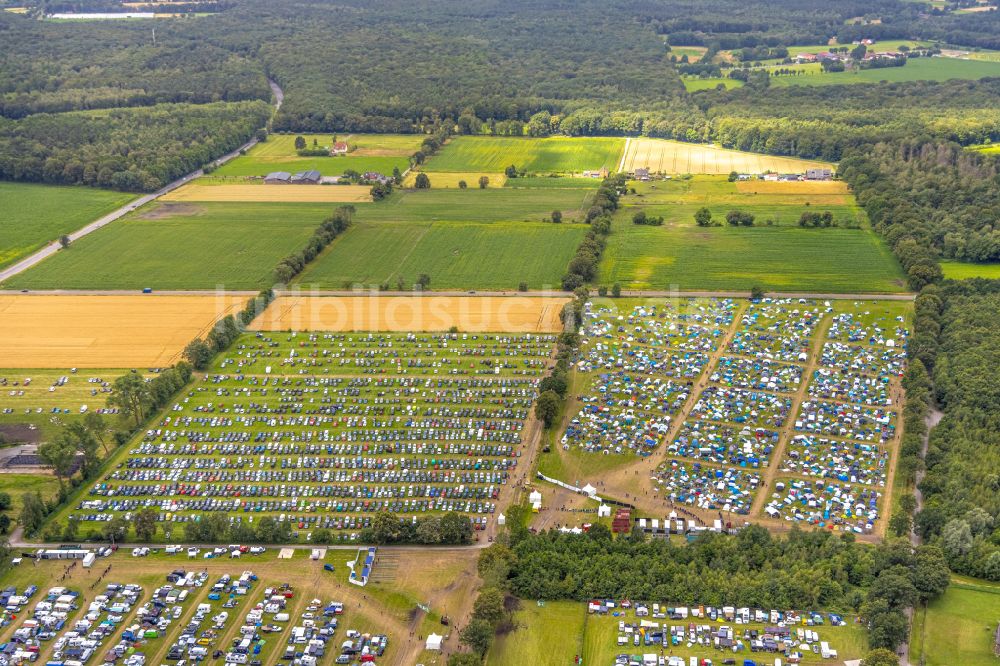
[621,162]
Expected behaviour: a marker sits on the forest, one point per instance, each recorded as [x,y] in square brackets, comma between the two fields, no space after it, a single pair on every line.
[131,149]
[962,483]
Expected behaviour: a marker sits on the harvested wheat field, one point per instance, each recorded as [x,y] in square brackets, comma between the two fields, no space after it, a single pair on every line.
[508,314]
[259,192]
[47,331]
[451,179]
[672,157]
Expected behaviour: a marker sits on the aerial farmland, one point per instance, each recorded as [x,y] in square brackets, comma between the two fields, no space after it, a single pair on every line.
[489,334]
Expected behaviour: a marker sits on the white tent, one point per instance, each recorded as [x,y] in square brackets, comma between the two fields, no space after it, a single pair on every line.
[434,642]
[501,519]
[603,510]
[535,497]
[589,490]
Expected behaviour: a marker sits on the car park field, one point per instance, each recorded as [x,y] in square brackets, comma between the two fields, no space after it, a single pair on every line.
[613,635]
[339,426]
[778,411]
[82,331]
[470,314]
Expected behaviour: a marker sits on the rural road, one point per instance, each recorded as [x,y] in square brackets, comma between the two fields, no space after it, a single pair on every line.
[54,246]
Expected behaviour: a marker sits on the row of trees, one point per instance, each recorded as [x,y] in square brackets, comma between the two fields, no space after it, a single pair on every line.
[450,528]
[582,267]
[325,234]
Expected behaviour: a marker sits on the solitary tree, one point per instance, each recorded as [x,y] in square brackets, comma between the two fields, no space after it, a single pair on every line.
[511,171]
[484,182]
[94,422]
[300,143]
[462,184]
[145,524]
[424,280]
[547,407]
[703,217]
[64,240]
[58,453]
[557,216]
[422,182]
[130,393]
[616,290]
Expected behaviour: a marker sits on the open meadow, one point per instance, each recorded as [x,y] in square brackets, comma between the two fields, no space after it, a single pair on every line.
[916,69]
[550,155]
[959,627]
[774,254]
[367,152]
[517,314]
[677,157]
[462,239]
[141,331]
[961,270]
[175,245]
[34,215]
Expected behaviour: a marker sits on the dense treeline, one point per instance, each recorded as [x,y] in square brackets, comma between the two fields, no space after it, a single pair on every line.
[802,570]
[327,231]
[55,67]
[929,200]
[961,487]
[127,149]
[582,267]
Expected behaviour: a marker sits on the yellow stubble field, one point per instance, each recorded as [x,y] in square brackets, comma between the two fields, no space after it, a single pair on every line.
[89,331]
[678,157]
[509,314]
[259,192]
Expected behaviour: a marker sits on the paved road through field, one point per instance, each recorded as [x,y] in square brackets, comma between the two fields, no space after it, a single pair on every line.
[54,246]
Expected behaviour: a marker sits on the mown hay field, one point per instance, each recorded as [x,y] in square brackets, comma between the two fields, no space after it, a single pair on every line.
[174,245]
[916,69]
[961,270]
[368,152]
[452,179]
[34,215]
[55,331]
[490,154]
[677,157]
[199,190]
[512,314]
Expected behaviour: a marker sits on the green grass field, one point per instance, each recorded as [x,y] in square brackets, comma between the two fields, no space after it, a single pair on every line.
[958,627]
[463,239]
[558,631]
[373,153]
[777,258]
[551,155]
[550,182]
[456,255]
[916,69]
[961,270]
[34,215]
[181,246]
[693,84]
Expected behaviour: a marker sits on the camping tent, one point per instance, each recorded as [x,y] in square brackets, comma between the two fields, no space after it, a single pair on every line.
[434,642]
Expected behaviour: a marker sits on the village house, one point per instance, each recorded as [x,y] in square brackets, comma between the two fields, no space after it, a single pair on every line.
[375,177]
[338,148]
[641,173]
